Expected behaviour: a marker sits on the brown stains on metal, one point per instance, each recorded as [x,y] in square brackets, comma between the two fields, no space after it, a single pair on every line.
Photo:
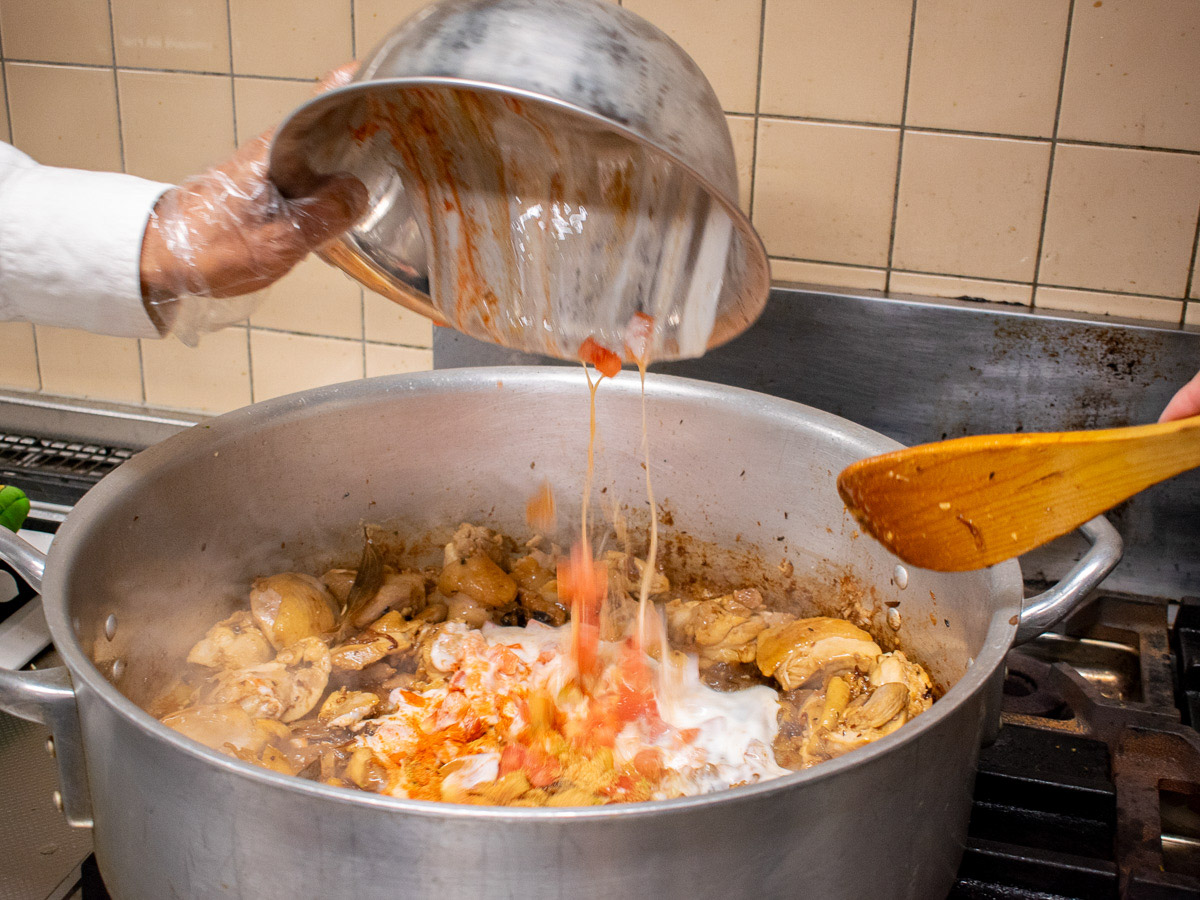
[365,131]
[1123,352]
[423,130]
[1118,362]
[665,515]
[618,188]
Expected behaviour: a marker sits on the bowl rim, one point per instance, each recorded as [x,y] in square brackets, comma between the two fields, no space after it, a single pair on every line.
[287,155]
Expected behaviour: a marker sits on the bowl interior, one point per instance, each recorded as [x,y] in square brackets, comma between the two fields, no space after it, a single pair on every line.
[531,224]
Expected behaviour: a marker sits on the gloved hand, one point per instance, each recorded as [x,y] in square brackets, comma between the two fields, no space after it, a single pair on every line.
[229,232]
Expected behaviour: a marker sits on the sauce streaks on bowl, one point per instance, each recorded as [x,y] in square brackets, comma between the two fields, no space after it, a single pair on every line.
[540,231]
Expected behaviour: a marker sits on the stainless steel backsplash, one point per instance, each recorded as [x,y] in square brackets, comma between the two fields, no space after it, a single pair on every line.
[920,371]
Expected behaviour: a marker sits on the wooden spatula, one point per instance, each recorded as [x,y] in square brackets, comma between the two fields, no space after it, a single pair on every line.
[975,501]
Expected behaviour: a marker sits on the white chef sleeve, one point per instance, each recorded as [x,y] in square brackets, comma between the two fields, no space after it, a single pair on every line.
[70,246]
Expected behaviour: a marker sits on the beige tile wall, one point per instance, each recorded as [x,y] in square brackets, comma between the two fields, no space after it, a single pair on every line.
[1037,152]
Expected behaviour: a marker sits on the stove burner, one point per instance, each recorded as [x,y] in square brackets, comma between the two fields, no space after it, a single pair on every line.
[1023,691]
[56,471]
[1092,788]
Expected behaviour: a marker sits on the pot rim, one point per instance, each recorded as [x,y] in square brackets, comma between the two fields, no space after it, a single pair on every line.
[1006,579]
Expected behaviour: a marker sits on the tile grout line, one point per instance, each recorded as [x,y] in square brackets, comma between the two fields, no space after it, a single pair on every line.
[7,107]
[112,39]
[983,278]
[334,337]
[859,123]
[37,358]
[912,36]
[362,295]
[237,142]
[249,360]
[112,35]
[1062,84]
[154,70]
[996,135]
[1191,275]
[233,95]
[1080,290]
[762,49]
[826,262]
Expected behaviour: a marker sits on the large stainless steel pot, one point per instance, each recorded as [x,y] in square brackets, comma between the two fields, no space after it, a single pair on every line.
[154,553]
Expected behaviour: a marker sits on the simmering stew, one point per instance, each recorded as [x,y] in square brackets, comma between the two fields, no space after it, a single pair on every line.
[472,682]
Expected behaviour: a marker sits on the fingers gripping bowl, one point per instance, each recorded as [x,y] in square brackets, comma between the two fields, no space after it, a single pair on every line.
[270,487]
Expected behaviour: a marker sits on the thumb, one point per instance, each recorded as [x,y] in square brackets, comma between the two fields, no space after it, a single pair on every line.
[336,78]
[329,210]
[1185,403]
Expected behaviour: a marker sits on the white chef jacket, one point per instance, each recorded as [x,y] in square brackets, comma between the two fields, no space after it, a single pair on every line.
[70,246]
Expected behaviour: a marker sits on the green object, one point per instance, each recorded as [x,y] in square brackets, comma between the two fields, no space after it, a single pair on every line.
[14,507]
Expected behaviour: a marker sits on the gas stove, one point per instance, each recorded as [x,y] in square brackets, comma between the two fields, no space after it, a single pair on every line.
[1092,785]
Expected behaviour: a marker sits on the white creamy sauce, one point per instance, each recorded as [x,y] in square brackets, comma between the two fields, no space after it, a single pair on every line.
[469,771]
[736,728]
[709,740]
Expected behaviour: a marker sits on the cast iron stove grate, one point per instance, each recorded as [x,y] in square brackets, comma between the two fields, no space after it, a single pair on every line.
[55,471]
[1092,788]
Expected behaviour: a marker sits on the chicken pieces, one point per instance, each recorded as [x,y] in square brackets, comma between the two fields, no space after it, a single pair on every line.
[344,708]
[291,606]
[220,725]
[794,652]
[852,710]
[474,540]
[300,683]
[841,690]
[723,630]
[286,688]
[388,635]
[232,643]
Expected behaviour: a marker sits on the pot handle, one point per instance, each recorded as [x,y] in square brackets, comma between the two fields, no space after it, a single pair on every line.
[46,696]
[1045,610]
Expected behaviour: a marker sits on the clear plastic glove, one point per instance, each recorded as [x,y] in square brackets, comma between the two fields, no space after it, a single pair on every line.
[1185,403]
[229,232]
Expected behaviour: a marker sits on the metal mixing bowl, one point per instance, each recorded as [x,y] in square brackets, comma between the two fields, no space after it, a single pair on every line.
[540,172]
